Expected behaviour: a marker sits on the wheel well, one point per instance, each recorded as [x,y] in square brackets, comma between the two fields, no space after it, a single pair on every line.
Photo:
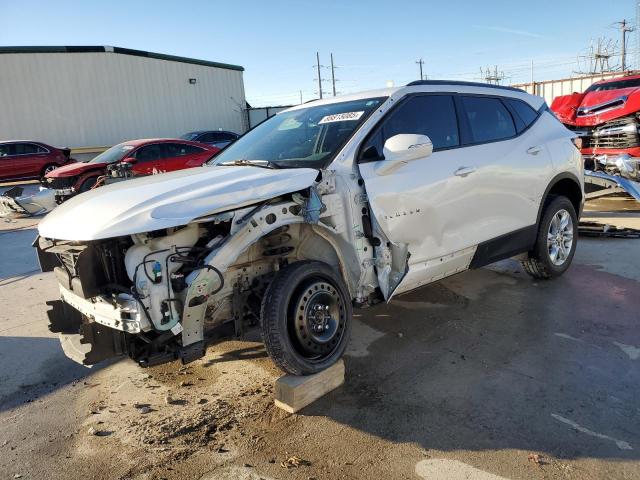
[47,165]
[569,188]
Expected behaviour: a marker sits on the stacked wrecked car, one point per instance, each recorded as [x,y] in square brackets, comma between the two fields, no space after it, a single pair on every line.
[607,118]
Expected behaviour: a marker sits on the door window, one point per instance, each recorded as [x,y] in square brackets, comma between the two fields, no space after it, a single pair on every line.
[179,150]
[488,119]
[27,149]
[226,136]
[149,153]
[7,150]
[207,137]
[431,115]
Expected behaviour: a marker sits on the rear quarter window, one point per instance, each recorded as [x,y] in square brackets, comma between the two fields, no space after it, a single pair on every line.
[524,114]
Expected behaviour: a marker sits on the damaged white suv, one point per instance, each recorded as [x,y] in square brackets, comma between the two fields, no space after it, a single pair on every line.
[329,205]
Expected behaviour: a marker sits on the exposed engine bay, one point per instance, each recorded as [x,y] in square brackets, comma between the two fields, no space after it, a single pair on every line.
[157,296]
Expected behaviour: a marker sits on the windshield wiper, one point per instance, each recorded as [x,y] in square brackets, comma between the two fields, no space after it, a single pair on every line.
[251,163]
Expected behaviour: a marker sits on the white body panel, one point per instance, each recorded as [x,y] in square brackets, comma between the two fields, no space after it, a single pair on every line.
[167,200]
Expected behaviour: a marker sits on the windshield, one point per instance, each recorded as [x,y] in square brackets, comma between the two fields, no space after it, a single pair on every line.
[633,82]
[307,137]
[190,136]
[114,154]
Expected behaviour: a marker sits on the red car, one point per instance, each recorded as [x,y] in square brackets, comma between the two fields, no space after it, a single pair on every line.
[144,157]
[26,160]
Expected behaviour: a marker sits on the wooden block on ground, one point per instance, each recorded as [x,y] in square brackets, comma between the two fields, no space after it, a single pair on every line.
[293,392]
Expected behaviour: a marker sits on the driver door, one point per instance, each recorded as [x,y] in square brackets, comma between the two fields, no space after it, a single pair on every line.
[425,207]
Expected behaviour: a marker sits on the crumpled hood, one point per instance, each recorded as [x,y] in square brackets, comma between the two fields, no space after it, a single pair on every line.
[168,200]
[73,169]
[566,106]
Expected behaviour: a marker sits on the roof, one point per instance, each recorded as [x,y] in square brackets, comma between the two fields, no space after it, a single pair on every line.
[122,51]
[142,141]
[427,86]
[461,84]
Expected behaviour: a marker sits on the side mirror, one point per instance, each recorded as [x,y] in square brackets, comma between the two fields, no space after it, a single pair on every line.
[129,160]
[402,149]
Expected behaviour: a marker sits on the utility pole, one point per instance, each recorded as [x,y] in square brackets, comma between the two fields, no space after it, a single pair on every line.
[624,29]
[319,74]
[531,71]
[333,76]
[420,63]
[301,97]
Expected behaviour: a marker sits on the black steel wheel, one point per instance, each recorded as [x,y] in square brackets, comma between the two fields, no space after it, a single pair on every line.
[306,318]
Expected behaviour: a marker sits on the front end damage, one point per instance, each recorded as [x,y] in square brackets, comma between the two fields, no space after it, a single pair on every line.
[161,295]
[607,121]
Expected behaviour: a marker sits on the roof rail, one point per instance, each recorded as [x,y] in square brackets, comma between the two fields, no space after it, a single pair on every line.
[462,84]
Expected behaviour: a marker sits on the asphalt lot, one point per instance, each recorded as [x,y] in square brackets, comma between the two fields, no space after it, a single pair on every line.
[468,378]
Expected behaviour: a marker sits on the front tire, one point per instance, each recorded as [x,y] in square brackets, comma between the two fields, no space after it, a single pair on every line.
[87,184]
[556,241]
[306,318]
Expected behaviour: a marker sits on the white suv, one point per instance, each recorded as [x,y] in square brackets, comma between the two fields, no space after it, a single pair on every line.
[331,204]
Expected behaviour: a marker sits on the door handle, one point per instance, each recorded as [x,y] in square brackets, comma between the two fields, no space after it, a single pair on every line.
[464,171]
[534,150]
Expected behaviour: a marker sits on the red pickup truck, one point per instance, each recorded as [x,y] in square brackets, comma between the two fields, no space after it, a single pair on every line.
[606,116]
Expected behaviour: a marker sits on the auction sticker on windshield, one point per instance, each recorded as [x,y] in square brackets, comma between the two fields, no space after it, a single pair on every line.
[341,117]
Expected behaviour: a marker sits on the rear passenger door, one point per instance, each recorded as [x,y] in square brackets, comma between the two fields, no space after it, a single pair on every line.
[423,207]
[503,159]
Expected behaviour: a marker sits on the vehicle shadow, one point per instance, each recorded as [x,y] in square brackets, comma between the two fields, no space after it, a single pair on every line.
[34,366]
[492,360]
[248,353]
[16,258]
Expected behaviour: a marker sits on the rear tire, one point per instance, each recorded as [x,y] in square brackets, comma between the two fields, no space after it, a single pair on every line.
[556,242]
[306,318]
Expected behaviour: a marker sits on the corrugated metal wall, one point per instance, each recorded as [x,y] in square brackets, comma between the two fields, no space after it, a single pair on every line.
[551,89]
[99,99]
[260,114]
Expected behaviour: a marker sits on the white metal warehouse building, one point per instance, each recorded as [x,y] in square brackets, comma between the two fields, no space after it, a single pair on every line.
[92,97]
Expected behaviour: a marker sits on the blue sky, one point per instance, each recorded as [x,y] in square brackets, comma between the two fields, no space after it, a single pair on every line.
[373,41]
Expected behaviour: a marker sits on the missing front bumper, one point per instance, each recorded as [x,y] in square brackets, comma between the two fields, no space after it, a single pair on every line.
[84,342]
